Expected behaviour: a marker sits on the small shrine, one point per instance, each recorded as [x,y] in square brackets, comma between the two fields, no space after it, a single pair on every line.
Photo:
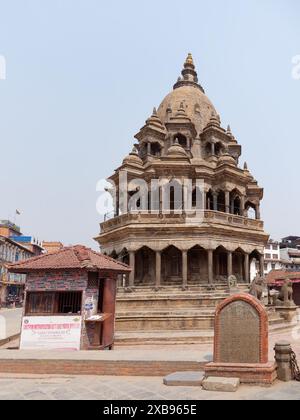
[70,298]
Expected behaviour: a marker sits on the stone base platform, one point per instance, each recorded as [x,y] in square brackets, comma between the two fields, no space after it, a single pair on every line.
[103,363]
[256,374]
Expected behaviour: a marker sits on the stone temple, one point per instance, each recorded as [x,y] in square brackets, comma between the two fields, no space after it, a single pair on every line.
[181,256]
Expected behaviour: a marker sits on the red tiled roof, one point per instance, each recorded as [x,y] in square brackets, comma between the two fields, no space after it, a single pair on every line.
[277,276]
[75,257]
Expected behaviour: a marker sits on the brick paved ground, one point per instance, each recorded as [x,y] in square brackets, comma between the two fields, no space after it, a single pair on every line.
[127,388]
[112,388]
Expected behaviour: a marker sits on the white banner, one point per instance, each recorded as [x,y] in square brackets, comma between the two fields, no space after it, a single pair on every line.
[51,332]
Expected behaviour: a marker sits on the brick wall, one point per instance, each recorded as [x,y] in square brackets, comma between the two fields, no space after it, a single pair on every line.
[75,280]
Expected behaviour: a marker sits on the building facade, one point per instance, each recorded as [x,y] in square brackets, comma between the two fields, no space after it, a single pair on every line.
[14,247]
[52,246]
[290,258]
[200,220]
[272,259]
[11,284]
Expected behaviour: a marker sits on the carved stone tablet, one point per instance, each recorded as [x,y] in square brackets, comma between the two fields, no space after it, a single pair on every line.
[241,331]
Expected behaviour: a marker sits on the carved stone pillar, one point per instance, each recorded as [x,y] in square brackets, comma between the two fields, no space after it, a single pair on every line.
[158,269]
[227,201]
[242,210]
[257,211]
[247,268]
[213,149]
[215,198]
[210,260]
[132,266]
[184,269]
[262,265]
[229,263]
[204,203]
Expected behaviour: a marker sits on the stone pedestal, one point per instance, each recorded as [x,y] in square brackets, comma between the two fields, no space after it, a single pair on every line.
[241,342]
[283,353]
[288,313]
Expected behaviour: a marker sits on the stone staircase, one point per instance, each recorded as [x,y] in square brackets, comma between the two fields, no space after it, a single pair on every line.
[172,315]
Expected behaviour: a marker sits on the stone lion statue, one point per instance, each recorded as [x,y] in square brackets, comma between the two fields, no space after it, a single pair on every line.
[285,297]
[257,288]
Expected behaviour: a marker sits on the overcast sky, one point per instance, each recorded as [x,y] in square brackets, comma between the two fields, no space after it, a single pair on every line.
[83,75]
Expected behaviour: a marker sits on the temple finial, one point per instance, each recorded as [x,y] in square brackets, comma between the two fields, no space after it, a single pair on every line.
[245,166]
[189,60]
[189,75]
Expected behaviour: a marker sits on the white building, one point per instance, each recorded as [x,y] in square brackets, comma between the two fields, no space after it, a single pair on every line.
[290,259]
[272,259]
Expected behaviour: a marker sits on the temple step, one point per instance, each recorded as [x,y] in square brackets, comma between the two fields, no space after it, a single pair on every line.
[149,321]
[133,338]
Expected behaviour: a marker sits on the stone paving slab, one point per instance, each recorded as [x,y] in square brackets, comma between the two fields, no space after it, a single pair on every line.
[129,388]
[184,379]
[221,384]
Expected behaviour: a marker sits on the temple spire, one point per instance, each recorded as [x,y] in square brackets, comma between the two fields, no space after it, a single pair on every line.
[189,75]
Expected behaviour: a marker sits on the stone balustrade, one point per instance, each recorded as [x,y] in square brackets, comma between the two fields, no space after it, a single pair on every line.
[205,217]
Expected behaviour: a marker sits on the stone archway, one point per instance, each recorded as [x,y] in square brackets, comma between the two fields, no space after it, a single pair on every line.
[238,264]
[221,201]
[145,266]
[220,264]
[250,210]
[197,265]
[236,203]
[256,263]
[171,262]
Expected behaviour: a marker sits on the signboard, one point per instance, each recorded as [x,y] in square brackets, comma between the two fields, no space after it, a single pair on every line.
[51,332]
[90,306]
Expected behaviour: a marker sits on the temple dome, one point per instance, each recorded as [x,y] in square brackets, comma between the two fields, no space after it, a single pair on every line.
[188,91]
[226,158]
[133,158]
[176,150]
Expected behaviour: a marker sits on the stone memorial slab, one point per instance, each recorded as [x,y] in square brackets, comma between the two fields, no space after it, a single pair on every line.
[239,334]
[241,341]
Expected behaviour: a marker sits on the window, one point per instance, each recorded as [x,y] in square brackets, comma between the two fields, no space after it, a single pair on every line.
[268,256]
[53,303]
[182,140]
